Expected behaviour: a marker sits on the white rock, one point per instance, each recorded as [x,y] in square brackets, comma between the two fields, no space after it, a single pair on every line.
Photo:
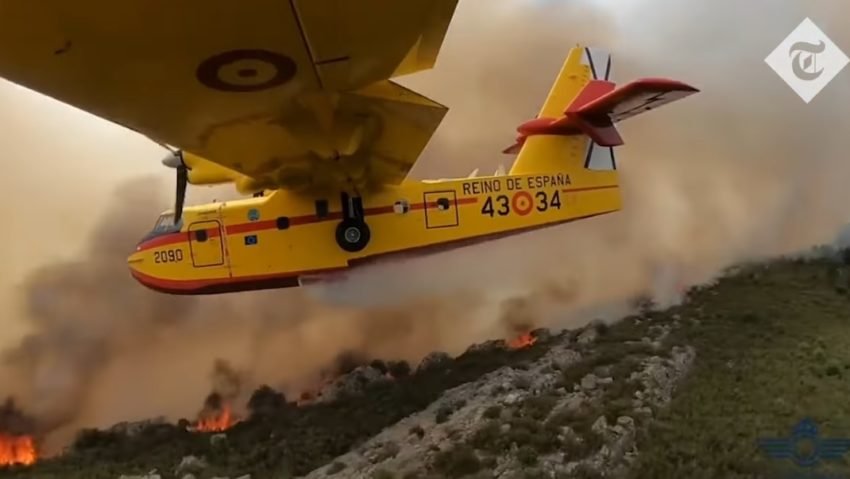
[217,439]
[589,382]
[626,422]
[587,336]
[600,426]
[190,463]
[352,383]
[432,360]
[644,411]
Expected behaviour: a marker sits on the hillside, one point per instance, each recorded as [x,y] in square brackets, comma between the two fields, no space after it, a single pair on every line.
[684,392]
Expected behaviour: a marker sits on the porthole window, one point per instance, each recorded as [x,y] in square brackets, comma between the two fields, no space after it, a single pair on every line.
[282,223]
[443,204]
[201,235]
[401,207]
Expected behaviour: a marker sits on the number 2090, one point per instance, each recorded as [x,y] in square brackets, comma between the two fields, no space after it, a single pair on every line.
[168,256]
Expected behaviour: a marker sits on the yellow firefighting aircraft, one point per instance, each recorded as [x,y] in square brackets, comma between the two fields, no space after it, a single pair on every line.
[291,101]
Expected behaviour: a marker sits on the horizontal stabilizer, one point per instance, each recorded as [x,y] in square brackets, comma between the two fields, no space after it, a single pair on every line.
[600,105]
[634,98]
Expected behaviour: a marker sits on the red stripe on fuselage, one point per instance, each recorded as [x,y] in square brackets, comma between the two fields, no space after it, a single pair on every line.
[164,240]
[173,238]
[290,279]
[243,228]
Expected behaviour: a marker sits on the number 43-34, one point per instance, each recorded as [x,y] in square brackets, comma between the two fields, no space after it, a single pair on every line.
[502,204]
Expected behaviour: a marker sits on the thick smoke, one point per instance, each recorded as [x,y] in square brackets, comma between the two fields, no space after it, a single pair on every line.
[14,422]
[743,170]
[226,388]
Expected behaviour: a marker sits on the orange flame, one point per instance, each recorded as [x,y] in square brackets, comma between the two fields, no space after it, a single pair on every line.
[17,450]
[523,341]
[216,421]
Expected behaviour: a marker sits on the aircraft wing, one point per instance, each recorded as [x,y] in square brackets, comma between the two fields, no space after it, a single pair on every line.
[274,92]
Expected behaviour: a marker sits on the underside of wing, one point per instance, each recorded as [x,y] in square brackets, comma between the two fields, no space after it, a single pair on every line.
[291,93]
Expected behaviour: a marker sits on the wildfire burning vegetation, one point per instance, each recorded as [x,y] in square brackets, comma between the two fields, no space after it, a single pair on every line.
[216,416]
[17,444]
[17,450]
[522,341]
[217,413]
[267,426]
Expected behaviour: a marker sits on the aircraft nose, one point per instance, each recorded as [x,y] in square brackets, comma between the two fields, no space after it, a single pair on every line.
[133,262]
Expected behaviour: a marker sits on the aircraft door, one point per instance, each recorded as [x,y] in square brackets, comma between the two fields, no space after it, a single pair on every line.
[205,244]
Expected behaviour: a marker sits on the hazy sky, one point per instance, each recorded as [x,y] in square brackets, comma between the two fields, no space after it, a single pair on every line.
[62,165]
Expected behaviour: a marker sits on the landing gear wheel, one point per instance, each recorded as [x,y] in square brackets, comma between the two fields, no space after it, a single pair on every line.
[352,235]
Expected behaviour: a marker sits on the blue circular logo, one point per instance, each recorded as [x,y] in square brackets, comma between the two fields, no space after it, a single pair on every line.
[253,214]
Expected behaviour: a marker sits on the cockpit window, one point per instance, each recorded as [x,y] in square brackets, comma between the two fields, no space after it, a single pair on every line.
[164,225]
[165,222]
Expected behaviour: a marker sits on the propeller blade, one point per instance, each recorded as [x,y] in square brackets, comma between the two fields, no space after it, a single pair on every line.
[180,196]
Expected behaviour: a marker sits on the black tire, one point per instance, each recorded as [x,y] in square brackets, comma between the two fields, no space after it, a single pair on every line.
[352,235]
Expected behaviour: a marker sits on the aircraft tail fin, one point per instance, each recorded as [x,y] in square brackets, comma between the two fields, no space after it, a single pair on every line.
[577,122]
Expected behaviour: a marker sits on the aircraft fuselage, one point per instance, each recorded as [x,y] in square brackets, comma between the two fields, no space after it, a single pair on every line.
[282,238]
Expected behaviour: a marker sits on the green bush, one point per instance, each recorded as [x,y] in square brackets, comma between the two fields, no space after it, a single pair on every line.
[383,474]
[95,438]
[487,437]
[418,431]
[833,370]
[266,401]
[538,407]
[526,455]
[399,369]
[493,412]
[457,462]
[443,413]
[522,382]
[381,366]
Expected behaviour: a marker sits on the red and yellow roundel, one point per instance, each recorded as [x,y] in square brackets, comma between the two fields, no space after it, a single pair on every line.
[522,203]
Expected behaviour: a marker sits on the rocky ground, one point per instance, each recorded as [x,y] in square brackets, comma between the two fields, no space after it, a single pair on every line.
[684,392]
[576,408]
